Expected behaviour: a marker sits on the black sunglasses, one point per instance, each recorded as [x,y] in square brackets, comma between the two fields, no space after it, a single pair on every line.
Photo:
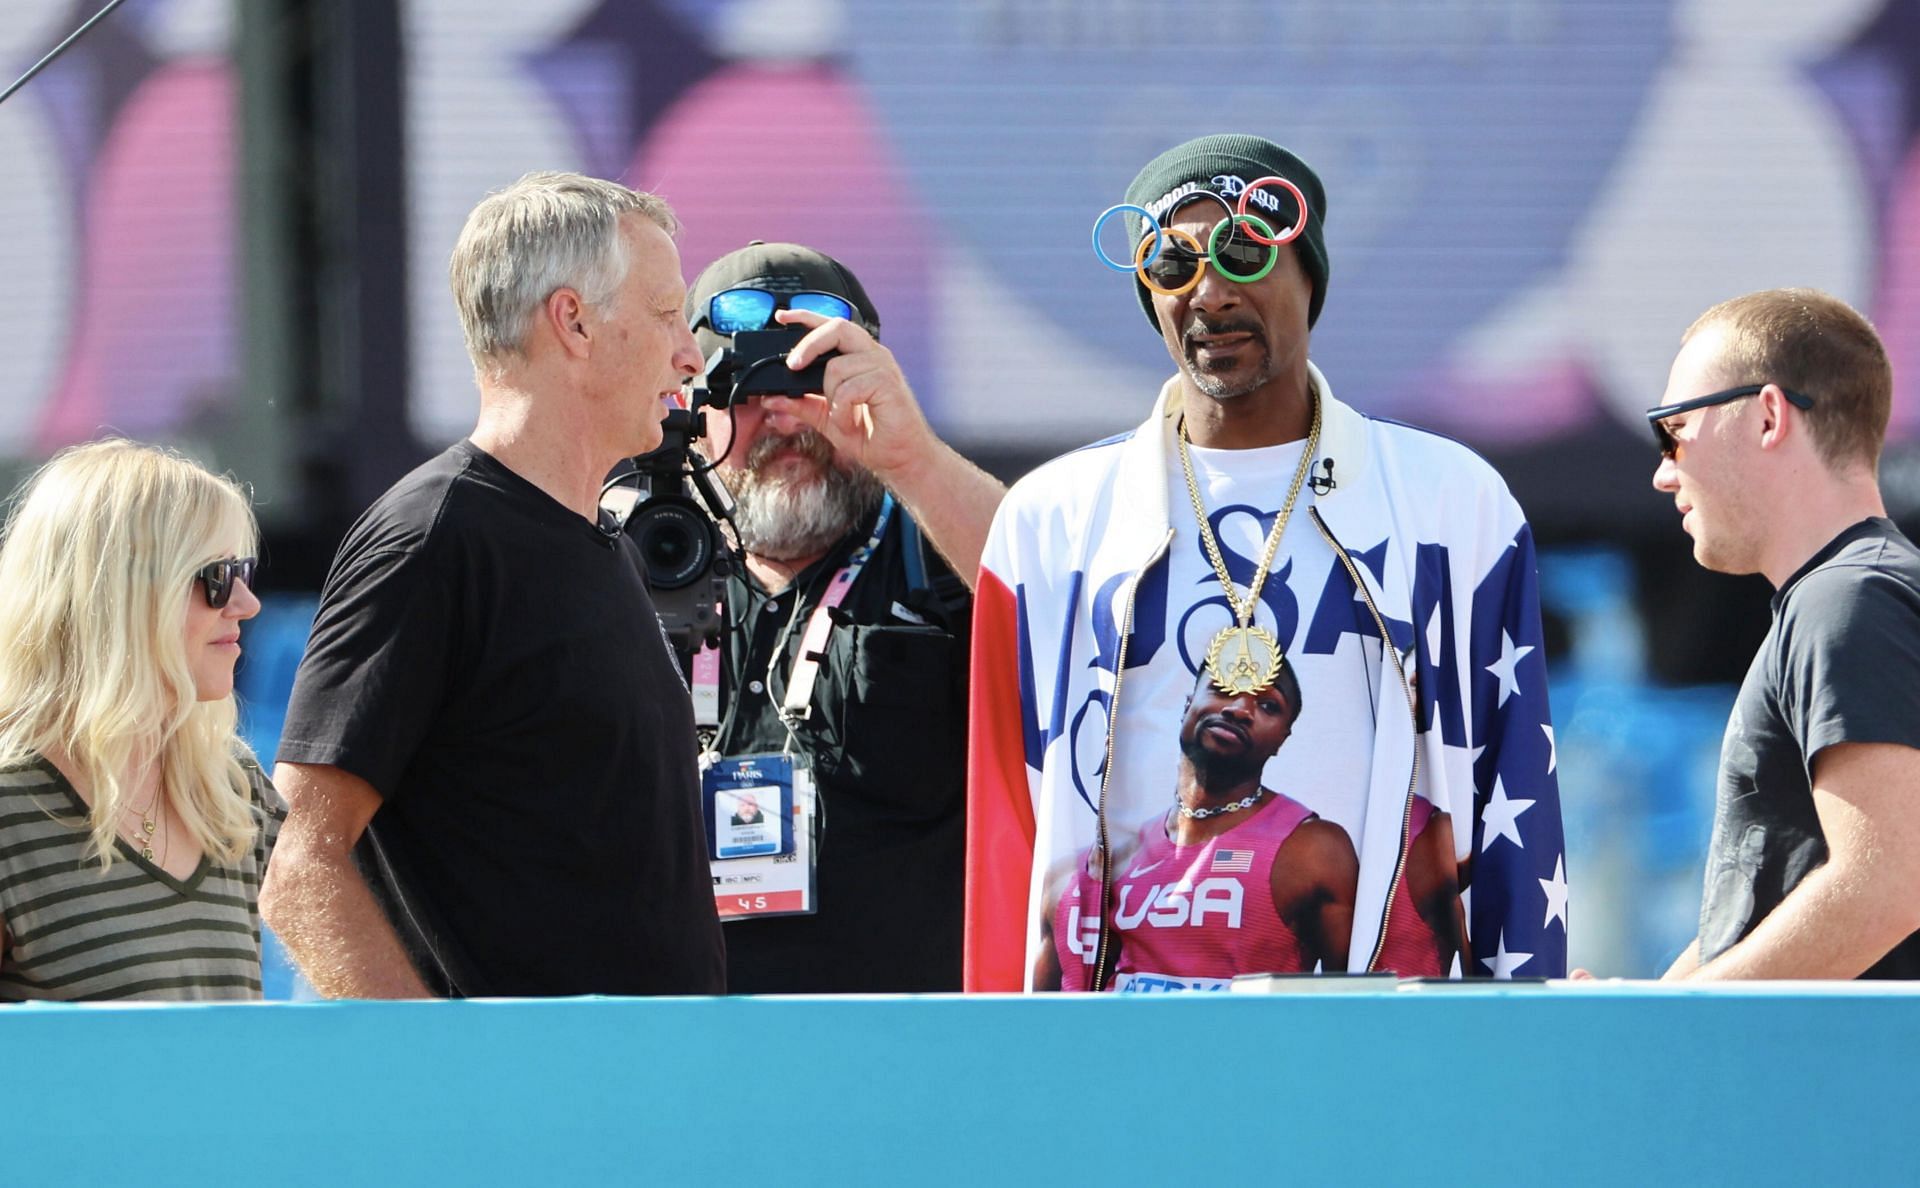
[1656,416]
[217,578]
[1176,263]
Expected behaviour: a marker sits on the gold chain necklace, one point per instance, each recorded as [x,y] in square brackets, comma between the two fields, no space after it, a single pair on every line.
[148,825]
[166,841]
[1244,658]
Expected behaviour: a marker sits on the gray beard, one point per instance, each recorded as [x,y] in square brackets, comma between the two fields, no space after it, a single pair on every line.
[787,520]
[1216,386]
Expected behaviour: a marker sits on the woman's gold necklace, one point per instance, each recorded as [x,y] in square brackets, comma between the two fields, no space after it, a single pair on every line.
[1244,658]
[149,822]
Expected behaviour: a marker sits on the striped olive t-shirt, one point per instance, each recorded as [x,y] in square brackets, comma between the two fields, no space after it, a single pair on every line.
[136,932]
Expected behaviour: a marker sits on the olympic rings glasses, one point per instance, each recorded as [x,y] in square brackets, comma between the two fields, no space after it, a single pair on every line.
[1175,269]
[1657,417]
[733,310]
[1172,268]
[217,578]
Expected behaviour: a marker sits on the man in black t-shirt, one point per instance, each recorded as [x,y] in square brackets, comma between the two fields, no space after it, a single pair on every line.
[489,753]
[1770,435]
[885,728]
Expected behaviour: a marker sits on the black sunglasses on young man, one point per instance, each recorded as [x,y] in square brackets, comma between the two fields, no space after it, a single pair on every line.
[1657,415]
[217,578]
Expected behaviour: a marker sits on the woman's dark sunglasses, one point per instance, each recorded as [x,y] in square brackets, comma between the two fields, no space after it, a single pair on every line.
[217,579]
[1656,417]
[731,311]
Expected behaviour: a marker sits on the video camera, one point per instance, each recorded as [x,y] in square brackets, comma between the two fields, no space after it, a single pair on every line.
[687,560]
[684,557]
[756,365]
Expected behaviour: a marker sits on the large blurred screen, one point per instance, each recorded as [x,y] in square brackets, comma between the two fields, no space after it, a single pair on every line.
[118,227]
[1529,200]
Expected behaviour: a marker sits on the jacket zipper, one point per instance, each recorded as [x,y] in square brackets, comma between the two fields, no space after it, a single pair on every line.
[1413,711]
[1106,773]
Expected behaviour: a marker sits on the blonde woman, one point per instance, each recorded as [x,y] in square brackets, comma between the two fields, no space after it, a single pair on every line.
[134,823]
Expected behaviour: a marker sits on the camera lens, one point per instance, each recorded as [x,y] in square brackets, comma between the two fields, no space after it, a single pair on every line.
[676,543]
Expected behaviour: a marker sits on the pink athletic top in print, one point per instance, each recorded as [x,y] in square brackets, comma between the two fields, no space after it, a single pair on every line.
[1411,949]
[1188,917]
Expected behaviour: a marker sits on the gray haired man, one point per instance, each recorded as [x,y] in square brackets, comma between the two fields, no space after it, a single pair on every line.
[489,754]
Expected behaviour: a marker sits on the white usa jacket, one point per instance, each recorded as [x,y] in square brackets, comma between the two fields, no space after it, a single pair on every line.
[1443,559]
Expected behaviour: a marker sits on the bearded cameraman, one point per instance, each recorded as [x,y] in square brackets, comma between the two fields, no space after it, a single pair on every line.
[842,669]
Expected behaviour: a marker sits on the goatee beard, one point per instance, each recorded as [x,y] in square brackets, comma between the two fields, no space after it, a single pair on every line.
[799,514]
[1216,386]
[1217,774]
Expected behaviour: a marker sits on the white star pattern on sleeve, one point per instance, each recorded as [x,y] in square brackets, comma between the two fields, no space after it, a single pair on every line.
[1556,889]
[1503,668]
[1502,963]
[1502,818]
[1553,749]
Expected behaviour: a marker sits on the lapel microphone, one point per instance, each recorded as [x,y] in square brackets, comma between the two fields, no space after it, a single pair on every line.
[1322,484]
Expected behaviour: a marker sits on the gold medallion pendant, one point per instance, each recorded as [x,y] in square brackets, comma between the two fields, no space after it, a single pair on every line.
[1244,659]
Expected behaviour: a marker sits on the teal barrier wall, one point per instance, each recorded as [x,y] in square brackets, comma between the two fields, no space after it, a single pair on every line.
[1465,1086]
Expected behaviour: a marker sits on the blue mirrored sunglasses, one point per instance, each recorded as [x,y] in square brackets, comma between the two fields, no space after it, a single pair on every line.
[733,310]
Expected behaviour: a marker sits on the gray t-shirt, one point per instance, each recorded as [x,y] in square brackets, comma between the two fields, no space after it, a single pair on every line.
[78,934]
[1841,663]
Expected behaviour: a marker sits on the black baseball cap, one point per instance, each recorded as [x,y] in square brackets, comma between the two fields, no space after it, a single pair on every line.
[781,268]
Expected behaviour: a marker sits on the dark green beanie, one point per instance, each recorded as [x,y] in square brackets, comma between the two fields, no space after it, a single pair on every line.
[1226,164]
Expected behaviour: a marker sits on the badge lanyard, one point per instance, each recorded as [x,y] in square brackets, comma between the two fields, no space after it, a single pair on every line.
[765,863]
[761,818]
[795,707]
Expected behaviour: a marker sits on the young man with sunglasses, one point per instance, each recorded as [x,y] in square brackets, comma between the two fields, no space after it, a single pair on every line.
[1255,523]
[845,485]
[1770,434]
[489,753]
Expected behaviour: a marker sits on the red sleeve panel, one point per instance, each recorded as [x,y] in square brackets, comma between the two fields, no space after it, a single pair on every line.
[1000,828]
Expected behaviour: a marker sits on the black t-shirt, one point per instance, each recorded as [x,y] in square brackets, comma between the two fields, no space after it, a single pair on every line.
[887,738]
[1840,664]
[491,663]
